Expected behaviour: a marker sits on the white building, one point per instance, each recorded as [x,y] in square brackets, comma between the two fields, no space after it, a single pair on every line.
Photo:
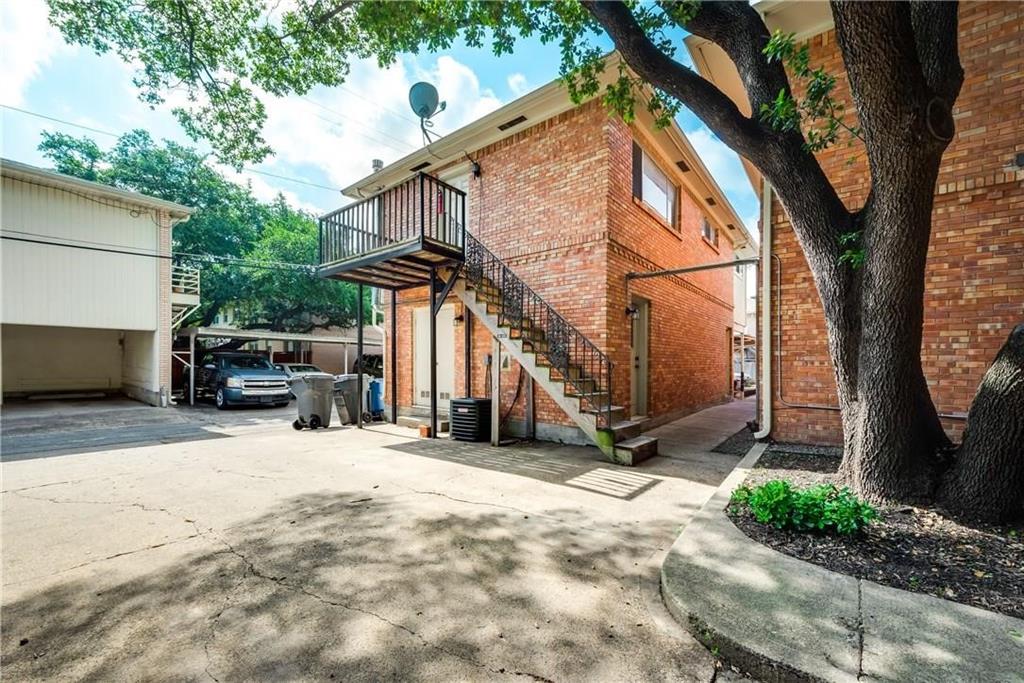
[87,302]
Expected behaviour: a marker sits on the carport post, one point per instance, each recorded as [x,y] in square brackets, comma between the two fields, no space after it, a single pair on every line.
[359,359]
[495,392]
[433,353]
[393,367]
[192,368]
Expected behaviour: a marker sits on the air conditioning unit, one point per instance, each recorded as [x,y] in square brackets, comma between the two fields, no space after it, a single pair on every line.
[471,419]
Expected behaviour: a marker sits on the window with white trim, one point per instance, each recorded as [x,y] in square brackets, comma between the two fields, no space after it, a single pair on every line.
[708,231]
[653,186]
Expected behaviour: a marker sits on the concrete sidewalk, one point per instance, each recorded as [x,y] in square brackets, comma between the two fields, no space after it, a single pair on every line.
[346,554]
[783,619]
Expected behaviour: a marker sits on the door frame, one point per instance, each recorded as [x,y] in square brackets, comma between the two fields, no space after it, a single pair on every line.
[640,363]
[416,400]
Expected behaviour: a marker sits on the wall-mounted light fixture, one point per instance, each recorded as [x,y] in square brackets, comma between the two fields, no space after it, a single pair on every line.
[632,312]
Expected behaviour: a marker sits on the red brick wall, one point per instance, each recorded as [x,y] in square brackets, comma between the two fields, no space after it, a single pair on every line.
[975,276]
[691,315]
[555,203]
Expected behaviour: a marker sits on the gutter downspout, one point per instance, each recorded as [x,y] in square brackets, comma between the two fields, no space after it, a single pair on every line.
[764,335]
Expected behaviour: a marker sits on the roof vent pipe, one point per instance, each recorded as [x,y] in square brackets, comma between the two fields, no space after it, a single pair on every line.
[378,165]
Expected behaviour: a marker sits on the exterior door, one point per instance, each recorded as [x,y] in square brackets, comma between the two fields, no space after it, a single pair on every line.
[445,356]
[639,349]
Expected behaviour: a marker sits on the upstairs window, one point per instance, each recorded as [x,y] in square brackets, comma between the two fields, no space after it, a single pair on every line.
[652,186]
[710,233]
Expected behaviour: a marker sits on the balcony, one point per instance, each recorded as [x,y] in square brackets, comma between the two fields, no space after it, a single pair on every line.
[394,239]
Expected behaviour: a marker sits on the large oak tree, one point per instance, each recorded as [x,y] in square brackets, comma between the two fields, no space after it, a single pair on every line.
[868,262]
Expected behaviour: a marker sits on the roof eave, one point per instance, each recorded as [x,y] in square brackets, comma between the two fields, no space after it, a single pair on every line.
[26,172]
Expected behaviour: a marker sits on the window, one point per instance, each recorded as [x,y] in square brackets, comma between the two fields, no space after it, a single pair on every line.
[709,232]
[652,186]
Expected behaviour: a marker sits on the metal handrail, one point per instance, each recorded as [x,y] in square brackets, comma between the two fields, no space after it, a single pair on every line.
[583,366]
[420,207]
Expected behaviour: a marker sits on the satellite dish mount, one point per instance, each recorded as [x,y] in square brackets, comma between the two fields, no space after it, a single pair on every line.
[424,102]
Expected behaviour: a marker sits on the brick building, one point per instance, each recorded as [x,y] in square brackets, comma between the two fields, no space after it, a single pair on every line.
[975,275]
[569,200]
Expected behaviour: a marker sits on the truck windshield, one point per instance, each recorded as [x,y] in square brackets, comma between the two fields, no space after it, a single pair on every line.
[247,363]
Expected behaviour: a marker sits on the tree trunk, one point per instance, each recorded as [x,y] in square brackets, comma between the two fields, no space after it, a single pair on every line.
[986,481]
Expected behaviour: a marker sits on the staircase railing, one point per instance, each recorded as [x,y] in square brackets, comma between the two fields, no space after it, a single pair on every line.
[582,365]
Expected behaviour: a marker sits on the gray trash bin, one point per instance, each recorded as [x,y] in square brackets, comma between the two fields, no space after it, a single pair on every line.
[346,399]
[313,395]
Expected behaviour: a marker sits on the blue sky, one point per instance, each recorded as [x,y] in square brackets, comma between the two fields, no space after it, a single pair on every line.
[326,138]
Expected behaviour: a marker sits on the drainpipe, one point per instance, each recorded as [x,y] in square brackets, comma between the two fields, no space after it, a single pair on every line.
[764,338]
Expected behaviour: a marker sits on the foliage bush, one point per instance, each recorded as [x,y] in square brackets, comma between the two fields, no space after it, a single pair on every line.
[824,507]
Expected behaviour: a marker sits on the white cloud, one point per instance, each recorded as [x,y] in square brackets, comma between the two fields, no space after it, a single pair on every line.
[27,43]
[517,84]
[341,130]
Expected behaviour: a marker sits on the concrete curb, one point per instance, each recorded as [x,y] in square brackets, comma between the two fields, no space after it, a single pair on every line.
[782,619]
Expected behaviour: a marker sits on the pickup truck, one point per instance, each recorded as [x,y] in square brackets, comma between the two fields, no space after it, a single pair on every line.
[237,378]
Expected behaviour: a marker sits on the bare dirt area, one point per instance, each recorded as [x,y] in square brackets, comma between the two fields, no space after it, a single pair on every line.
[915,549]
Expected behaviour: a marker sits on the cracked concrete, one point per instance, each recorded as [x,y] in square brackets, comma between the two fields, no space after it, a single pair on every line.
[337,553]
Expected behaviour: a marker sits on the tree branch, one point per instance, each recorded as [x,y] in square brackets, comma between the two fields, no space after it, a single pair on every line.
[738,29]
[936,33]
[705,100]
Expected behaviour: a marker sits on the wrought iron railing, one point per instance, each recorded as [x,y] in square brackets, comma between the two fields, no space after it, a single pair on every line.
[422,207]
[583,366]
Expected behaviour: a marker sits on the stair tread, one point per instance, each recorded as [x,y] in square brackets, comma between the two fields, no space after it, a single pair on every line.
[603,409]
[637,442]
[625,424]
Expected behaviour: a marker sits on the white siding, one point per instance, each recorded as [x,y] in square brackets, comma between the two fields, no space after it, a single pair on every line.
[739,300]
[51,285]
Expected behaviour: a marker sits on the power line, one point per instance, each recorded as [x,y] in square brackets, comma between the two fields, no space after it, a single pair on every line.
[360,123]
[225,260]
[115,135]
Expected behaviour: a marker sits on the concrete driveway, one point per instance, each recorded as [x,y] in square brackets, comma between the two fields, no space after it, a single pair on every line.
[270,554]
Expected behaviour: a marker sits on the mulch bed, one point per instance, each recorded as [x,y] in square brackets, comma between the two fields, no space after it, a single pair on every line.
[737,444]
[915,549]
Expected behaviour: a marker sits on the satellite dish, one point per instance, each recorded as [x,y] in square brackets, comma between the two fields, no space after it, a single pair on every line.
[423,100]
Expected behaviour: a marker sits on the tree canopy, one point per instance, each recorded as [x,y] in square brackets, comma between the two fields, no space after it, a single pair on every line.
[257,259]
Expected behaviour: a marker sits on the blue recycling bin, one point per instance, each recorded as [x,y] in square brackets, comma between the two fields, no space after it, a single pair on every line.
[376,397]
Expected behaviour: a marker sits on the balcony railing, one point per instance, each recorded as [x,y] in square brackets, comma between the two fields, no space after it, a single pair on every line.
[184,279]
[422,209]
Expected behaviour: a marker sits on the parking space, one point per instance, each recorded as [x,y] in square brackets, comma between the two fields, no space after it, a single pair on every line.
[344,554]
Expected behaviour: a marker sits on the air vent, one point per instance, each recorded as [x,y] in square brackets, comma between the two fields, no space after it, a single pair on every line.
[683,167]
[420,167]
[513,122]
[710,201]
[730,226]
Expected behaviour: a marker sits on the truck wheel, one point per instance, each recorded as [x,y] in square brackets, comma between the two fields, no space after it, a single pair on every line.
[222,402]
[314,422]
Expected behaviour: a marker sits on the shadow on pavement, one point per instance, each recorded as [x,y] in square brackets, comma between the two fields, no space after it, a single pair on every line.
[334,586]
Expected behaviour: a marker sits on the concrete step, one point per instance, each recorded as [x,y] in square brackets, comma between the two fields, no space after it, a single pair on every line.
[414,422]
[626,429]
[634,451]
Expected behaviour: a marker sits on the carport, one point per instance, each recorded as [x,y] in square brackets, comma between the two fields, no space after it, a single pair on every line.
[194,333]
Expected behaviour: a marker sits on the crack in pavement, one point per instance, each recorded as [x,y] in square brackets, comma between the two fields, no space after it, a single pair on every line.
[251,569]
[115,556]
[120,503]
[860,629]
[243,474]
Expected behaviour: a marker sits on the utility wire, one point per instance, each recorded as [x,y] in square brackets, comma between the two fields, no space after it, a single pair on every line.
[98,131]
[225,260]
[360,123]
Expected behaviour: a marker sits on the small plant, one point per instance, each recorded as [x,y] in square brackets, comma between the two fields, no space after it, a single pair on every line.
[824,508]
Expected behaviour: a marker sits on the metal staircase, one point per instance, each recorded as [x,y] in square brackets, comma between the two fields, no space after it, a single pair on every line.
[184,293]
[570,368]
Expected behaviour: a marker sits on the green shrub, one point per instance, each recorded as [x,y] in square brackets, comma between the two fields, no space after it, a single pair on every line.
[824,508]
